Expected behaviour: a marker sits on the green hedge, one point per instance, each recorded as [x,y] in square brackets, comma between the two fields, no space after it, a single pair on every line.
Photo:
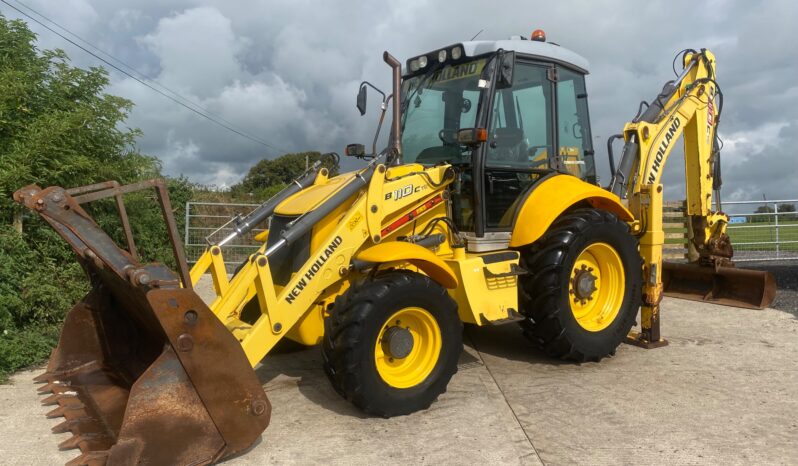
[37,287]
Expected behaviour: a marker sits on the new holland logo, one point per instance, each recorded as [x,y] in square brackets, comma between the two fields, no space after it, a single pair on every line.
[313,270]
[663,148]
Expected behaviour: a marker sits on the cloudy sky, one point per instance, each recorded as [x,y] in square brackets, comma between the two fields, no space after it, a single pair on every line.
[286,71]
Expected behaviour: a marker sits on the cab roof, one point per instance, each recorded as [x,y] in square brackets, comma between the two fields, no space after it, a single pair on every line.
[545,50]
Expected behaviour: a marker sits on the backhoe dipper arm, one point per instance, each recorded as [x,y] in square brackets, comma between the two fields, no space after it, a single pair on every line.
[686,106]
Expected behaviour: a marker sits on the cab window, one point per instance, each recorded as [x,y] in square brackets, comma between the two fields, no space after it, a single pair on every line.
[575,152]
[520,131]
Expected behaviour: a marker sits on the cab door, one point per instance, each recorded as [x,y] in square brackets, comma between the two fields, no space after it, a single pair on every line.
[521,139]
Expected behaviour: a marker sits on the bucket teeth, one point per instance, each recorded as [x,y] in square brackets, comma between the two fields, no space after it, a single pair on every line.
[55,386]
[51,400]
[46,388]
[65,426]
[70,443]
[70,411]
[92,458]
[43,377]
[57,412]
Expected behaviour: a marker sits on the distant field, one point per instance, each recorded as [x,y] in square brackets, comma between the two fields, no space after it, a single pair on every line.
[753,233]
[760,232]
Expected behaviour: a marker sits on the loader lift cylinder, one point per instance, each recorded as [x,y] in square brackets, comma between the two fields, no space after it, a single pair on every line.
[306,222]
[266,209]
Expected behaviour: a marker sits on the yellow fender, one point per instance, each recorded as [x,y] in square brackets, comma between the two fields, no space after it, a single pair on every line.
[553,196]
[421,257]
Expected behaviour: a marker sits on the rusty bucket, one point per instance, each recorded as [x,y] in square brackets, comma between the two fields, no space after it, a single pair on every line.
[144,373]
[727,285]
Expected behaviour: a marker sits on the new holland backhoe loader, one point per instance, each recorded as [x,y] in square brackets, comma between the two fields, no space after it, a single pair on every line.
[484,209]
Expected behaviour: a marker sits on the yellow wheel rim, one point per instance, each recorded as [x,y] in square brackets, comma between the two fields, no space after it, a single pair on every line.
[596,287]
[417,361]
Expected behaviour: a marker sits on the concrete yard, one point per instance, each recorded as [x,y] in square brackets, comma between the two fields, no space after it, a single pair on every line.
[724,392]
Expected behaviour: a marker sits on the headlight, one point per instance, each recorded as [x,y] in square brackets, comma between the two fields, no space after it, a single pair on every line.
[457,52]
[414,65]
[422,62]
[442,56]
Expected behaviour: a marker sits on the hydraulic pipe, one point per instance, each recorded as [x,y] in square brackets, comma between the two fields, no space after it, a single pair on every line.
[266,209]
[620,179]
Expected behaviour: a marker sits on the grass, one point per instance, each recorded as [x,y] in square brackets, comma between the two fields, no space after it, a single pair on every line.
[760,232]
[764,232]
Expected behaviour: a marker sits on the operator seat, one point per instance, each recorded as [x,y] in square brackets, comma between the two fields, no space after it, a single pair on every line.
[507,144]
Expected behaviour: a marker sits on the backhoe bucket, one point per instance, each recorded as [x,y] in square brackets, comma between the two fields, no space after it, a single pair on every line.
[144,372]
[730,286]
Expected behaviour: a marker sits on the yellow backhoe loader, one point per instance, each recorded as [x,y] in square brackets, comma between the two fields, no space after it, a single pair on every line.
[484,209]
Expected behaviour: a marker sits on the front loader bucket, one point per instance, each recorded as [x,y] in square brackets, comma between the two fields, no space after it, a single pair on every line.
[144,372]
[730,286]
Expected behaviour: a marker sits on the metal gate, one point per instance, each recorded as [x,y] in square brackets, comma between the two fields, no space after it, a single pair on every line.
[763,230]
[209,222]
[759,230]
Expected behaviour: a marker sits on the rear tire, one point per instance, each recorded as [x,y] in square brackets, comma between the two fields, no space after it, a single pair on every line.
[362,330]
[595,249]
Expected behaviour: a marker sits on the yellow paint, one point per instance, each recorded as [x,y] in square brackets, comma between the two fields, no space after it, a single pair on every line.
[423,258]
[482,299]
[413,369]
[311,197]
[309,329]
[596,310]
[211,261]
[553,196]
[262,236]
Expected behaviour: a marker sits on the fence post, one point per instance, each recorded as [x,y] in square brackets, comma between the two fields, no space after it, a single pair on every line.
[776,217]
[188,209]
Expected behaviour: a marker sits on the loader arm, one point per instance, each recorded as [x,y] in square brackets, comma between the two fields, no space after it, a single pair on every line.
[690,107]
[352,214]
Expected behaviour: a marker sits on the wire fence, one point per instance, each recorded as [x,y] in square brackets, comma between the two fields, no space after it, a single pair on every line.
[209,222]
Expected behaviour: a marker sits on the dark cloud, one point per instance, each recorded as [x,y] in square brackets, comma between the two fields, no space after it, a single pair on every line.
[287,71]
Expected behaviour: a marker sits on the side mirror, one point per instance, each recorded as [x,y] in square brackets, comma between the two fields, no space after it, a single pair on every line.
[361,100]
[356,150]
[505,78]
[472,137]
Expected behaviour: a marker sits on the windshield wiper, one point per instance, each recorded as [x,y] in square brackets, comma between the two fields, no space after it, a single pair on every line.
[421,85]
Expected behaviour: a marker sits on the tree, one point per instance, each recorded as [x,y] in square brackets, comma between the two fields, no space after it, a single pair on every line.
[789,212]
[764,209]
[57,126]
[269,174]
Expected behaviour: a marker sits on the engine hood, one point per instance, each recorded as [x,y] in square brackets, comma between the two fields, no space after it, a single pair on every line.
[310,198]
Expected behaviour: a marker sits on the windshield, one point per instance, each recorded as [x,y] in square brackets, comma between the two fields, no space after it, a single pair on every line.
[435,105]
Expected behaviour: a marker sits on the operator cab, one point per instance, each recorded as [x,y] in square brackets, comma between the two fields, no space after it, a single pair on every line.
[524,106]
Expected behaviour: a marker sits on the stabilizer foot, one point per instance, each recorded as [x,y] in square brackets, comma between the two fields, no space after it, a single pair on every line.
[639,340]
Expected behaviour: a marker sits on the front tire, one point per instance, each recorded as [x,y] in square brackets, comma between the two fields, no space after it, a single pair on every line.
[391,344]
[584,287]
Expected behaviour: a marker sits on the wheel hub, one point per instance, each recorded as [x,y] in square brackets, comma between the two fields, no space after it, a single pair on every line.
[397,342]
[584,283]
